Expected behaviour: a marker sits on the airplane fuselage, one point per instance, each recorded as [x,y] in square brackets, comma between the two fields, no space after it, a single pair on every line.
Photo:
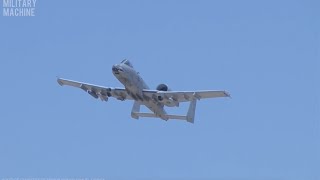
[134,85]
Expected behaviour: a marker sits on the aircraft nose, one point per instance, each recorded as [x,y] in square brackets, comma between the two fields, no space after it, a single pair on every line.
[116,69]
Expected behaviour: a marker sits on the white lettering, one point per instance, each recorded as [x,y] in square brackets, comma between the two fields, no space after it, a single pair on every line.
[19,7]
[6,11]
[19,3]
[6,3]
[18,11]
[11,12]
[24,3]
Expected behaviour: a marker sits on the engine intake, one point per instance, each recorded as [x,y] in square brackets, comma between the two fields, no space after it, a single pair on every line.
[162,87]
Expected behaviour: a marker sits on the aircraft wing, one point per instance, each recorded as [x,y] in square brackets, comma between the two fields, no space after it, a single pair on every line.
[184,96]
[97,91]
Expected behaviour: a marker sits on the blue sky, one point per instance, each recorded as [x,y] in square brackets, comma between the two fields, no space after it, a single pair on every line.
[265,53]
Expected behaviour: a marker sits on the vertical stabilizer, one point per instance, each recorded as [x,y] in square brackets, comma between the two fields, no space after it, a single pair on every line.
[135,110]
[191,111]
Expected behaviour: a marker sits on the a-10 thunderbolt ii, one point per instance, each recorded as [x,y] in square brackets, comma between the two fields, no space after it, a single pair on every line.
[137,90]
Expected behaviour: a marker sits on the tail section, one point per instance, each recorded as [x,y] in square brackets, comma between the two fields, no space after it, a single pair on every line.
[135,113]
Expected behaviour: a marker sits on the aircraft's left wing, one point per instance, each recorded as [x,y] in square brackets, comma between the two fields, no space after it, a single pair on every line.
[97,91]
[184,96]
[173,98]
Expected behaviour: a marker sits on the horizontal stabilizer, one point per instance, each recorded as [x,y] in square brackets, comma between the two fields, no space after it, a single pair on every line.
[177,117]
[144,114]
[152,115]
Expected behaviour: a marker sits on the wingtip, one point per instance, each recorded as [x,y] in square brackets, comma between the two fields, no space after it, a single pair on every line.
[227,94]
[59,81]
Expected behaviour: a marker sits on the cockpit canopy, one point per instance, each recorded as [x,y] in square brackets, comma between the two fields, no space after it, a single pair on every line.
[127,62]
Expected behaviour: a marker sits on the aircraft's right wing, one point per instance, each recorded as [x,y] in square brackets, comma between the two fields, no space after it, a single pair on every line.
[97,91]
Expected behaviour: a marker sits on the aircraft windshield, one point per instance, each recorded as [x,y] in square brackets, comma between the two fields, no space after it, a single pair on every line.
[127,62]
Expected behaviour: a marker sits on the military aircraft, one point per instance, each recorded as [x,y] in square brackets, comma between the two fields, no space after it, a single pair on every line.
[137,90]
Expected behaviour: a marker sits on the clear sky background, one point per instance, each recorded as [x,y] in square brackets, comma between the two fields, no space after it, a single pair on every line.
[265,53]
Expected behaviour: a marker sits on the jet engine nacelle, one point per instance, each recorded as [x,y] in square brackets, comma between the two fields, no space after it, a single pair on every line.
[164,100]
[163,87]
